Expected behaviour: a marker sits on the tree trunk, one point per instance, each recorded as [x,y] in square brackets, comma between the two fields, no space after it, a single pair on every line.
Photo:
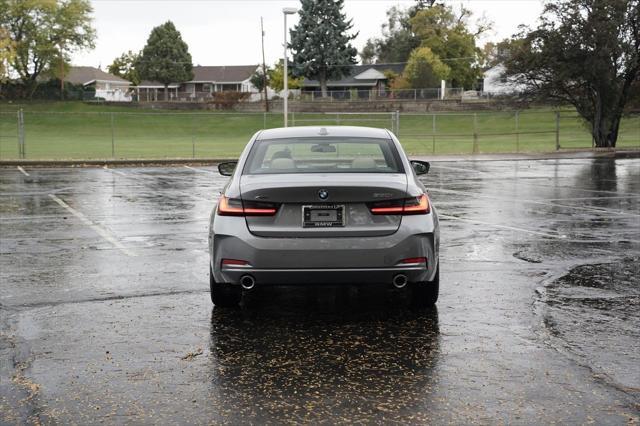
[322,78]
[605,130]
[166,92]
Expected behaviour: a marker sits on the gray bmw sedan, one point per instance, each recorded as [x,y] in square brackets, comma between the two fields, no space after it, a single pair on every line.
[323,205]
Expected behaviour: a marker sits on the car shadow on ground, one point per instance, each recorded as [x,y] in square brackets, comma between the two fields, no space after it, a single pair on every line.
[325,355]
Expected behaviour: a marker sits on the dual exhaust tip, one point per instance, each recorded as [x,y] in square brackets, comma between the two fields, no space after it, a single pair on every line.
[400,281]
[247,282]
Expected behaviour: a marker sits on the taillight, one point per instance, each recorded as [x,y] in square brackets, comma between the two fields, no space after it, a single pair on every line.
[406,206]
[235,207]
[413,261]
[234,262]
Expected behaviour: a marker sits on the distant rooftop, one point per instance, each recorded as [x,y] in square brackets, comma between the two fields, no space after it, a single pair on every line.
[223,73]
[361,75]
[87,75]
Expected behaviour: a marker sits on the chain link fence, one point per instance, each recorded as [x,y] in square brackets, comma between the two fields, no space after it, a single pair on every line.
[42,135]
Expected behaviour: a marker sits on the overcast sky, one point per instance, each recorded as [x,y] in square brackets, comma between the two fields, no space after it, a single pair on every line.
[227,32]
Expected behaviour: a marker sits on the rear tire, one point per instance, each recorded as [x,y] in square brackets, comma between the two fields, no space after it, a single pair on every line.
[224,295]
[425,294]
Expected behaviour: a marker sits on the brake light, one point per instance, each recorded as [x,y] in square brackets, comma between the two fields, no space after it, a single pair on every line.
[233,207]
[234,262]
[407,206]
[413,260]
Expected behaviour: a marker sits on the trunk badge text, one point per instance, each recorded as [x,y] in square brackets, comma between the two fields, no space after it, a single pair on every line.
[323,194]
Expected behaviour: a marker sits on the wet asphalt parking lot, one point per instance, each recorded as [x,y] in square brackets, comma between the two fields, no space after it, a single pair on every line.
[105,314]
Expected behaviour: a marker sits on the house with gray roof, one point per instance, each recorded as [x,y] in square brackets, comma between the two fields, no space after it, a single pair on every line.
[362,79]
[108,86]
[206,81]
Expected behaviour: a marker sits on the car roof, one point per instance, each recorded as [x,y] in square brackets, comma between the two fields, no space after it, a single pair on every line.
[326,131]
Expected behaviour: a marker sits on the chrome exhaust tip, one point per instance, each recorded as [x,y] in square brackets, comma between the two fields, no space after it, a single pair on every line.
[400,281]
[247,282]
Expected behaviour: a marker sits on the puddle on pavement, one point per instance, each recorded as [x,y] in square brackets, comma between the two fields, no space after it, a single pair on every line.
[593,312]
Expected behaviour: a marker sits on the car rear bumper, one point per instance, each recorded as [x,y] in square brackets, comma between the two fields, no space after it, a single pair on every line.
[323,260]
[356,276]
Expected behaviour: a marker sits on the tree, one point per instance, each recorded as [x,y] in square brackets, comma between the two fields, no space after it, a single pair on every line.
[320,42]
[397,41]
[449,35]
[259,79]
[165,58]
[43,31]
[275,77]
[125,66]
[425,69]
[584,53]
[398,38]
[7,53]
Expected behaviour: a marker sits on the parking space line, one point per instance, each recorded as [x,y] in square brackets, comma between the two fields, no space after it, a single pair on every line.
[495,197]
[98,229]
[116,172]
[511,228]
[23,171]
[200,170]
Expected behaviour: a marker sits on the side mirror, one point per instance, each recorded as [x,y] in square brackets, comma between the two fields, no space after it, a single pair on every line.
[227,168]
[420,167]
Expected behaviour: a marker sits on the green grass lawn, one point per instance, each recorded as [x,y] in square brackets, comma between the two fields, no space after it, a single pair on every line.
[74,130]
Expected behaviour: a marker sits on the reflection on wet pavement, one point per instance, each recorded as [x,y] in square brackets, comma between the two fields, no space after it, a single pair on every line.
[105,313]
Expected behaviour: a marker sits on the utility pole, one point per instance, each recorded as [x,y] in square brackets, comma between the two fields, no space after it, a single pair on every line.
[264,70]
[61,74]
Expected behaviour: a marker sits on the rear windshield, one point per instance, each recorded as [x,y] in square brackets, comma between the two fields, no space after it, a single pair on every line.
[323,155]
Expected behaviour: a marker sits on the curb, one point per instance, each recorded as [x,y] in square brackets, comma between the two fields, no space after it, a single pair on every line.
[574,154]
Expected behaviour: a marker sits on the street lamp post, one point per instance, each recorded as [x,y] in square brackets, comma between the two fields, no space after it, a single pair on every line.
[286,11]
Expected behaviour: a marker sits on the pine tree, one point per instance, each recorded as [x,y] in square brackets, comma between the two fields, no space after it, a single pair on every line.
[320,42]
[166,57]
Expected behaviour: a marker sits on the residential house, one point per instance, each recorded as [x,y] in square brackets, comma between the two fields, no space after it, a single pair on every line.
[148,91]
[211,79]
[362,82]
[108,86]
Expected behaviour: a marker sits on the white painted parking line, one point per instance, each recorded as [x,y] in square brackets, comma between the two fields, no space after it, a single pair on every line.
[511,228]
[116,172]
[433,166]
[544,203]
[200,170]
[23,171]
[97,228]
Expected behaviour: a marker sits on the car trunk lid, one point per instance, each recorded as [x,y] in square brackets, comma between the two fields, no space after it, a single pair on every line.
[347,193]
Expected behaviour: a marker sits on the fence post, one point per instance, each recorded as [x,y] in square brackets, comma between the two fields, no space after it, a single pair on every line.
[337,118]
[434,133]
[21,148]
[264,121]
[475,133]
[113,139]
[293,118]
[398,123]
[517,131]
[193,137]
[557,130]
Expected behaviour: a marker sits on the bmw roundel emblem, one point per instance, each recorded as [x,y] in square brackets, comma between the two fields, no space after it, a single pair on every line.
[323,194]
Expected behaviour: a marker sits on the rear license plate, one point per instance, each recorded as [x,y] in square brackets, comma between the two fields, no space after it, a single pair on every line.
[322,216]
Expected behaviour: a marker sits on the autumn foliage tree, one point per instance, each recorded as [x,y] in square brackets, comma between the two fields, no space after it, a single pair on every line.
[43,34]
[585,53]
